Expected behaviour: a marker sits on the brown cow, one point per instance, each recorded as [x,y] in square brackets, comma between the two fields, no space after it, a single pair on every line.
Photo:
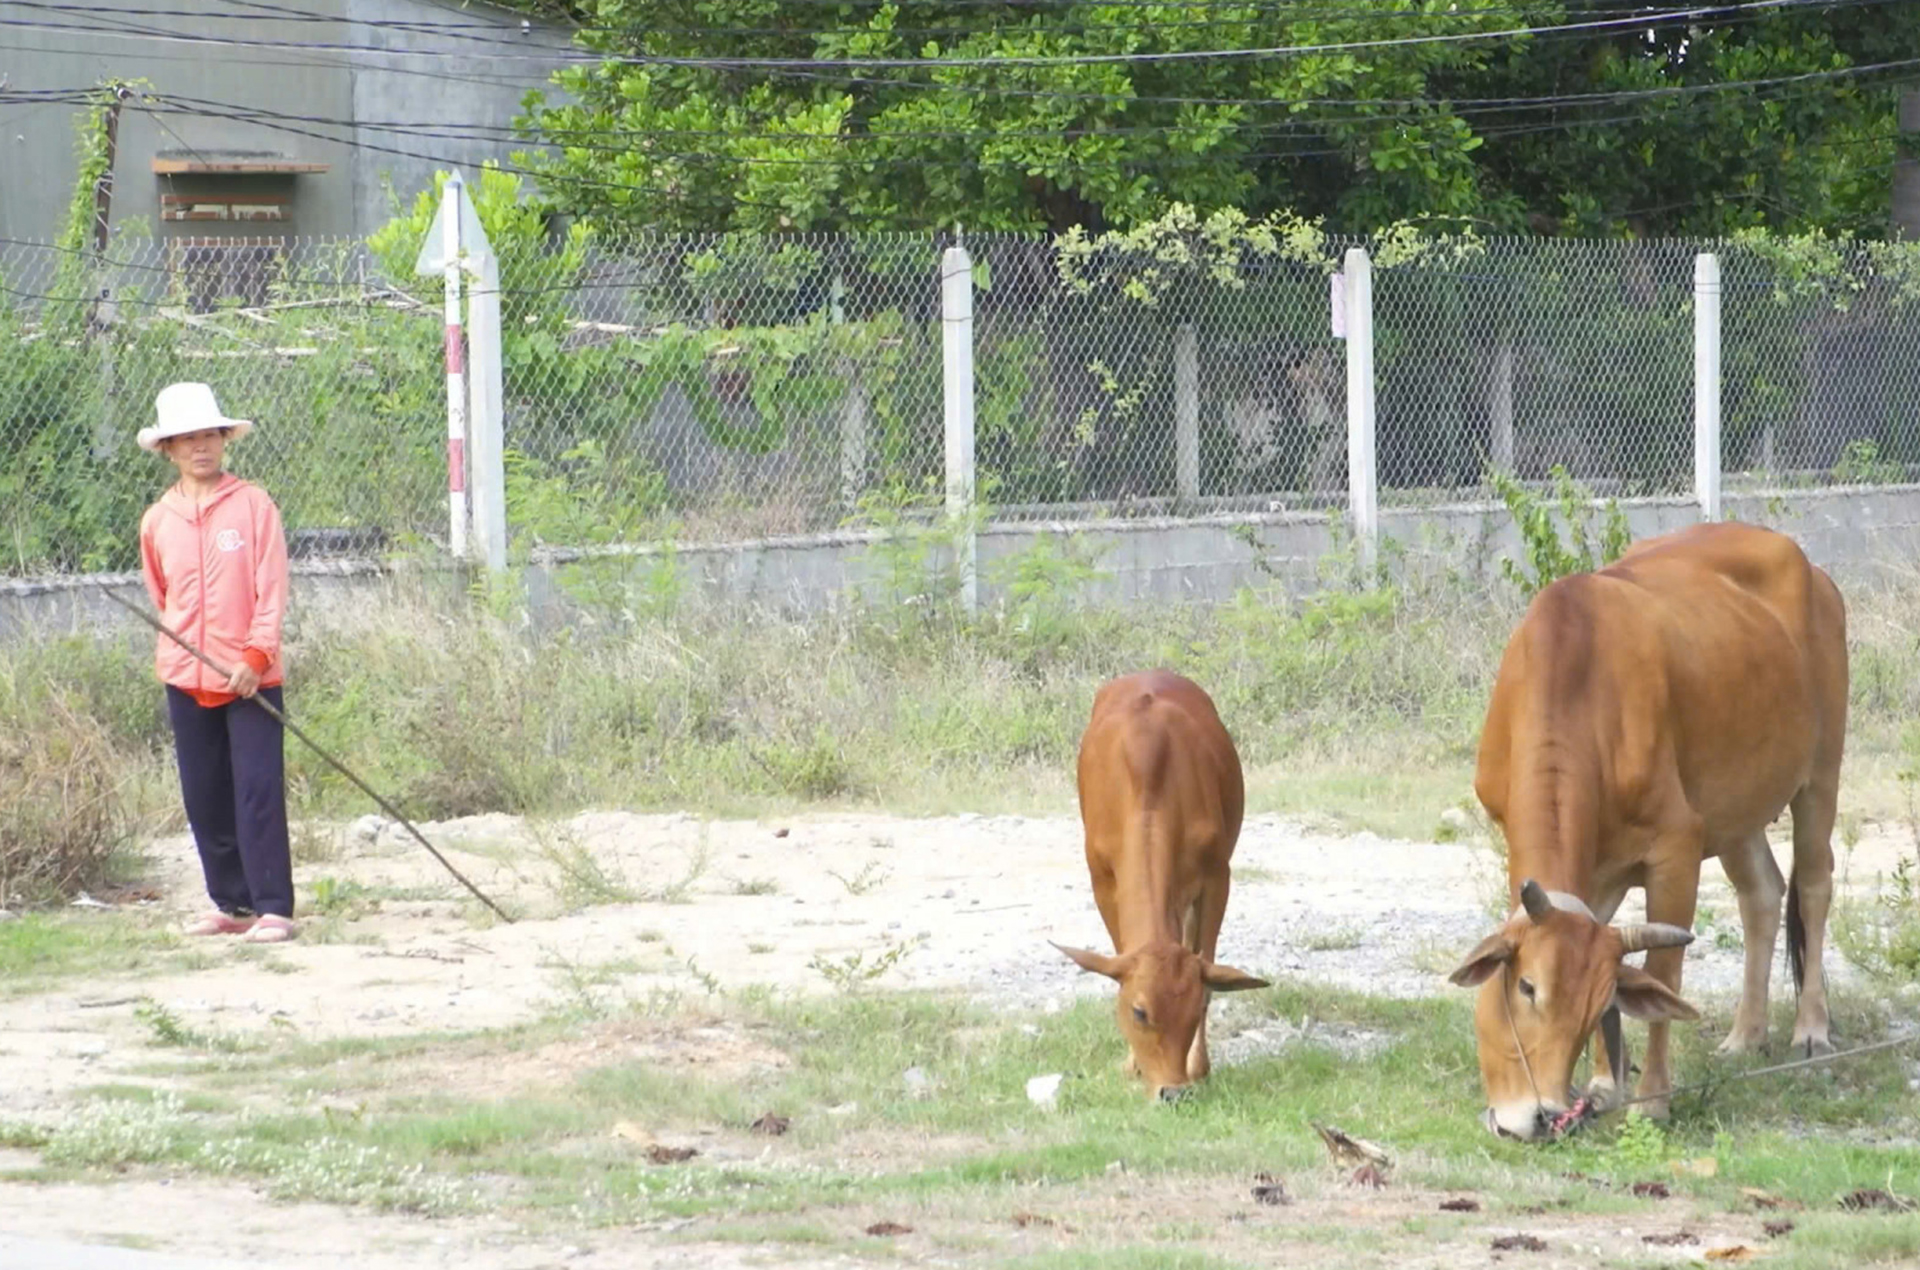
[1161,800]
[1646,716]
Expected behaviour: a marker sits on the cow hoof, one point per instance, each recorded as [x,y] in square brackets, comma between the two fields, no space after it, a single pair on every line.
[1604,1095]
[1811,1045]
[1743,1041]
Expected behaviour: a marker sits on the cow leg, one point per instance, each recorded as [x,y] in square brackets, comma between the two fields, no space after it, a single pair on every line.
[1807,905]
[1749,865]
[1203,937]
[1673,890]
[1602,1090]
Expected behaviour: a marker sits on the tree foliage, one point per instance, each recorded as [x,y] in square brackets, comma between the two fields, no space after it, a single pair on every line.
[1002,116]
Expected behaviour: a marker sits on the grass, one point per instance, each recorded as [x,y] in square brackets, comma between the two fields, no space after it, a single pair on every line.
[1358,708]
[39,949]
[970,1151]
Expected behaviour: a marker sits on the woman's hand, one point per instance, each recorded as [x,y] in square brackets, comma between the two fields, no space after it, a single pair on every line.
[244,681]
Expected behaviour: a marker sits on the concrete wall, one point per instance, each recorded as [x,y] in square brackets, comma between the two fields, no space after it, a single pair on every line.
[479,77]
[464,81]
[41,164]
[1864,537]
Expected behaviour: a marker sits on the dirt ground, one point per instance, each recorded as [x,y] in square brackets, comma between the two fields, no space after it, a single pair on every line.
[971,900]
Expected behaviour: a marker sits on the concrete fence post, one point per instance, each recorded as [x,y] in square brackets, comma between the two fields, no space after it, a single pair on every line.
[1362,490]
[956,338]
[488,418]
[1706,384]
[456,361]
[1186,416]
[1500,406]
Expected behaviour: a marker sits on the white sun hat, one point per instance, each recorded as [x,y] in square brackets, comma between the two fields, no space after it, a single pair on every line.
[184,408]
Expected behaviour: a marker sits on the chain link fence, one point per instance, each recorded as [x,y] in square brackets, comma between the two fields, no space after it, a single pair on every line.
[727,389]
[1821,369]
[1525,355]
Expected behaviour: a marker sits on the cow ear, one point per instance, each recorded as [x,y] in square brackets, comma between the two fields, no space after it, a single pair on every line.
[1641,996]
[1227,979]
[1099,963]
[1493,952]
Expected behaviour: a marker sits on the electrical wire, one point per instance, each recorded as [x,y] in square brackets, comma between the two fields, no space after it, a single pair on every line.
[1637,22]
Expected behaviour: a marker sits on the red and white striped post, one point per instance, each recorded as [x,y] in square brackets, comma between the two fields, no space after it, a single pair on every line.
[456,371]
[455,232]
[457,245]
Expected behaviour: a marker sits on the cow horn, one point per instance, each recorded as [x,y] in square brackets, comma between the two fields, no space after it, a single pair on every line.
[1535,900]
[1653,935]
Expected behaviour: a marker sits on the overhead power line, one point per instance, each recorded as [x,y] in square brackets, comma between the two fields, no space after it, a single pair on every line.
[1634,22]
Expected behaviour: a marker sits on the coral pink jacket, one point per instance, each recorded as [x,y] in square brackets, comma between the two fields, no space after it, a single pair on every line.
[218,574]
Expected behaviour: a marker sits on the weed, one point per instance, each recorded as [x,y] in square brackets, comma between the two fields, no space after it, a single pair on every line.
[854,971]
[1881,933]
[170,1031]
[580,880]
[1862,464]
[870,876]
[704,978]
[1642,1144]
[165,1025]
[315,844]
[336,897]
[816,767]
[1334,939]
[756,886]
[1547,557]
[64,811]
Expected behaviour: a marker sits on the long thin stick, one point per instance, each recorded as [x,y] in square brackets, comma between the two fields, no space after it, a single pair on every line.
[312,744]
[1814,1061]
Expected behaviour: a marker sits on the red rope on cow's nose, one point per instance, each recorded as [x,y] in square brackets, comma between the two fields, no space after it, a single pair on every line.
[1571,1117]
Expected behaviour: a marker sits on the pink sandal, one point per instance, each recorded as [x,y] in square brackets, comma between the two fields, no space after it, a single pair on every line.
[218,923]
[270,928]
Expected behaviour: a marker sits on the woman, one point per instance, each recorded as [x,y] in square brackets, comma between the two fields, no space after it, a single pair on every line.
[215,562]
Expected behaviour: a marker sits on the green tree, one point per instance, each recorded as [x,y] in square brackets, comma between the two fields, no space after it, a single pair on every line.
[889,114]
[999,117]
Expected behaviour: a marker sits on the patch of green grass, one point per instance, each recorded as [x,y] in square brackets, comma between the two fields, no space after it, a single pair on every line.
[1334,939]
[41,948]
[1827,1239]
[972,1140]
[1399,793]
[137,1243]
[1132,1257]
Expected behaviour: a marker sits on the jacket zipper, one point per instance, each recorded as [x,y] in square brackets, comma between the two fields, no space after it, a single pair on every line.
[200,528]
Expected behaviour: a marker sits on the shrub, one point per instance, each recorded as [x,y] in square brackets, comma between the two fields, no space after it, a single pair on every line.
[62,814]
[1547,558]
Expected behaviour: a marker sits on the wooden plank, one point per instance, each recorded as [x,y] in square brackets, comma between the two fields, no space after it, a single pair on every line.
[225,196]
[195,167]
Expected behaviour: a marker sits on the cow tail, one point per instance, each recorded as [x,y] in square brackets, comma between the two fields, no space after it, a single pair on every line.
[1796,934]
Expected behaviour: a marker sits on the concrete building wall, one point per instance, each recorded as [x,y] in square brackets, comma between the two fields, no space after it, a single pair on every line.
[225,54]
[452,73]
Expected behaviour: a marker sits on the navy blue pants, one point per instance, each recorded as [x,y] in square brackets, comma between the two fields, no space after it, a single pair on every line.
[233,779]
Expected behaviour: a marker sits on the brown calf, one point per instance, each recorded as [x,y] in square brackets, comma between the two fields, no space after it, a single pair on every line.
[1645,717]
[1161,800]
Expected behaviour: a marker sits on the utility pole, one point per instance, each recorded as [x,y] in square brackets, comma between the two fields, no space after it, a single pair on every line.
[99,305]
[103,186]
[1906,168]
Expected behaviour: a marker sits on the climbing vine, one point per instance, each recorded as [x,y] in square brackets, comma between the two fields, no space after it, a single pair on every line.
[75,240]
[1836,268]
